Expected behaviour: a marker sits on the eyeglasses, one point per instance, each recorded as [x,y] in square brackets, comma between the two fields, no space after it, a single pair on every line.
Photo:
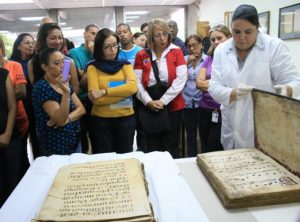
[111,47]
[194,46]
[28,43]
[160,35]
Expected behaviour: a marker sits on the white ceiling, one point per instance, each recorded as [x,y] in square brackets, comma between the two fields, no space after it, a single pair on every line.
[100,12]
[51,4]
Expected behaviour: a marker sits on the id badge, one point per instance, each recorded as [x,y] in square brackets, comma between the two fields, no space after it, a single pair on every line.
[215,117]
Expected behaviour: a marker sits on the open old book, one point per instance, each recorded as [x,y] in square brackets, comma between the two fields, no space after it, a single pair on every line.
[269,173]
[114,190]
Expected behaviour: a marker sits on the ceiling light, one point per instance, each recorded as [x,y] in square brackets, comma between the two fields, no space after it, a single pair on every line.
[132,17]
[136,12]
[66,28]
[28,19]
[73,33]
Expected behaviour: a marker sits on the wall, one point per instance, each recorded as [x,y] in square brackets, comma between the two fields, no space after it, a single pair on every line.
[213,11]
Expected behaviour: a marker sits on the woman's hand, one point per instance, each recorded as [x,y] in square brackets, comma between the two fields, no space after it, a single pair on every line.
[155,105]
[193,59]
[64,86]
[51,123]
[4,140]
[95,94]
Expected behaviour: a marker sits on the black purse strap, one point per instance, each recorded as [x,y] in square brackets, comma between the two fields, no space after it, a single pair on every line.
[154,67]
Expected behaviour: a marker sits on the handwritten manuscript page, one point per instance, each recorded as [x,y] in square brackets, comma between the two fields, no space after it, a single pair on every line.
[248,178]
[98,191]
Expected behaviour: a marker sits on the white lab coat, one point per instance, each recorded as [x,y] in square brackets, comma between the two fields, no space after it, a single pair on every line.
[269,63]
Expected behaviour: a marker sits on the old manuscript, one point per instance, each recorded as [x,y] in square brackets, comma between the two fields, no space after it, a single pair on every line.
[268,173]
[98,191]
[248,178]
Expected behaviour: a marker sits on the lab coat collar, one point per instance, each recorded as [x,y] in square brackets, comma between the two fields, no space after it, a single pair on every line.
[259,43]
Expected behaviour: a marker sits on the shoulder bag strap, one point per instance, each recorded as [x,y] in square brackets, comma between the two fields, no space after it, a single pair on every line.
[154,67]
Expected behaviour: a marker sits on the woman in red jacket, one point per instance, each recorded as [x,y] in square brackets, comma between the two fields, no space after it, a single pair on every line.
[172,72]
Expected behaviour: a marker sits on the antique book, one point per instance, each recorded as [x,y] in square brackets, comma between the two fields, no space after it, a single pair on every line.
[114,190]
[265,174]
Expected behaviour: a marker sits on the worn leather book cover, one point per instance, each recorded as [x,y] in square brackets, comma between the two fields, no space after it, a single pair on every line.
[111,191]
[268,173]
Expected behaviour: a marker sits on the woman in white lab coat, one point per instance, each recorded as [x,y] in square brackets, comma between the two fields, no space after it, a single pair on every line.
[249,59]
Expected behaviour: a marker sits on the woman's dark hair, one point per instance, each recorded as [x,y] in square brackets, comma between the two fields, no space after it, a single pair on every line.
[144,25]
[39,59]
[246,12]
[16,53]
[138,34]
[41,44]
[45,29]
[45,55]
[99,43]
[69,44]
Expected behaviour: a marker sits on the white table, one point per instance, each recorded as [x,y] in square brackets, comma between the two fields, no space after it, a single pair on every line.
[170,195]
[214,209]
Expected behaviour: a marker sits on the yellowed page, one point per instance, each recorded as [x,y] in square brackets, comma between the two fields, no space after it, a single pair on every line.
[249,175]
[98,191]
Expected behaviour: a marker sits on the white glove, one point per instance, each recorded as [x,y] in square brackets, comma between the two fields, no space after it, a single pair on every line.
[281,89]
[243,90]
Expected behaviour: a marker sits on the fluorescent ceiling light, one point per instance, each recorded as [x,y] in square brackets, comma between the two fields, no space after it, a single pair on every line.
[136,12]
[66,28]
[28,19]
[73,33]
[15,1]
[3,31]
[132,17]
[62,23]
[129,20]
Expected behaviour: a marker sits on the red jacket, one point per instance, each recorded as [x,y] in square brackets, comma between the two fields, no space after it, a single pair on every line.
[174,58]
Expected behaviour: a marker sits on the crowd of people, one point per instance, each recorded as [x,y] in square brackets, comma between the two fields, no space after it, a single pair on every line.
[150,83]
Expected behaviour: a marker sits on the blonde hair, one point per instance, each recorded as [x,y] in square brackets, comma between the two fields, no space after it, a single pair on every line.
[219,28]
[157,23]
[2,46]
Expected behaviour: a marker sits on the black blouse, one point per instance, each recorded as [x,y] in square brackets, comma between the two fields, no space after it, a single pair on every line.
[3,100]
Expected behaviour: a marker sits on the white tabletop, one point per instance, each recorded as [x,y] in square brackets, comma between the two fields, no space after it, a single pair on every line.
[170,195]
[213,206]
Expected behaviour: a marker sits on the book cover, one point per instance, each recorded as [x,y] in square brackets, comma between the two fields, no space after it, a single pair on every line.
[124,103]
